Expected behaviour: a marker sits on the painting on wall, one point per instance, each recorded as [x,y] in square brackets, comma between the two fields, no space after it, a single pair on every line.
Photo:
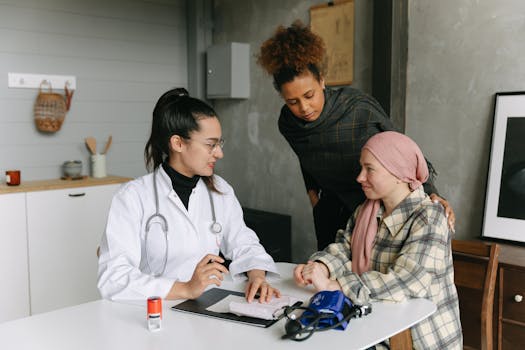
[334,22]
[504,216]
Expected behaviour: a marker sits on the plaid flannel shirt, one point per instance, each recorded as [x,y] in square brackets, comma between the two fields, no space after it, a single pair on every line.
[411,258]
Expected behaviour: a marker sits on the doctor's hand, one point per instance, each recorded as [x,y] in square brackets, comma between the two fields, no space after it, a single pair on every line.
[257,283]
[208,271]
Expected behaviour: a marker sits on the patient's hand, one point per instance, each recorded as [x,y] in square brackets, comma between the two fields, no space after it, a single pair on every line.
[298,275]
[317,274]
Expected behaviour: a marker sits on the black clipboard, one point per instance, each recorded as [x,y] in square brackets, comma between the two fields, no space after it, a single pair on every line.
[212,296]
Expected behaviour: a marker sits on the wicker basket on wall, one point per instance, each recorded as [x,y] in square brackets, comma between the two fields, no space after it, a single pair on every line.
[50,108]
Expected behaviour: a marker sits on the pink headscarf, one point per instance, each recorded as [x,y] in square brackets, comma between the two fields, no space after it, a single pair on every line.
[402,157]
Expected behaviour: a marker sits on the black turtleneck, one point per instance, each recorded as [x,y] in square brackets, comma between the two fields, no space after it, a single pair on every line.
[182,185]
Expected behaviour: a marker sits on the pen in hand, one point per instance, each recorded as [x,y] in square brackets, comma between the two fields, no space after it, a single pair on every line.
[222,269]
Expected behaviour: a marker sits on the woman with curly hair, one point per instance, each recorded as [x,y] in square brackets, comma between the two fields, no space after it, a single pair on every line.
[325,127]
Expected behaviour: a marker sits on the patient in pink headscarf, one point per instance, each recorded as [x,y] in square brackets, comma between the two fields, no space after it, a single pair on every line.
[396,245]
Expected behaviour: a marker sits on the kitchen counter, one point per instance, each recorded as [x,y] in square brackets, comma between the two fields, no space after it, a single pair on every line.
[53,184]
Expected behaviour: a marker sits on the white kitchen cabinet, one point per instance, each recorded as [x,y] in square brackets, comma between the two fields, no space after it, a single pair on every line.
[14,290]
[64,229]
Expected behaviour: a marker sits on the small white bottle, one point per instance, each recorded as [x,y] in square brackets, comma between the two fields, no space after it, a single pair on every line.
[154,313]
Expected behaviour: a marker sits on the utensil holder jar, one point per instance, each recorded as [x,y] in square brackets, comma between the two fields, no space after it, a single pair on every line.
[98,165]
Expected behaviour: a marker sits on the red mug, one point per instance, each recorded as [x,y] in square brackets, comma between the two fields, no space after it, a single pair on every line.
[12,177]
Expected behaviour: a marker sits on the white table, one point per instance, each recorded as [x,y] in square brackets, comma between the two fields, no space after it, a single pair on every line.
[110,325]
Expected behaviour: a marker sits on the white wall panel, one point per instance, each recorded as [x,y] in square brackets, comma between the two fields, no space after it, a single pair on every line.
[81,24]
[91,47]
[158,11]
[124,54]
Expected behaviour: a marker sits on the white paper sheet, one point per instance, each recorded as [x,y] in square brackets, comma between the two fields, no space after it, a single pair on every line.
[223,305]
[239,306]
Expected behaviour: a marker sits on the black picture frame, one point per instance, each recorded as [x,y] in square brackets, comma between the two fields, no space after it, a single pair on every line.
[504,213]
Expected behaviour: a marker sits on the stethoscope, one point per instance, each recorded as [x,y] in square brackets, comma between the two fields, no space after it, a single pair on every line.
[216,227]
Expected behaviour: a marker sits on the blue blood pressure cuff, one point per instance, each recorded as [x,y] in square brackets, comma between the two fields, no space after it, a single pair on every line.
[327,310]
[333,306]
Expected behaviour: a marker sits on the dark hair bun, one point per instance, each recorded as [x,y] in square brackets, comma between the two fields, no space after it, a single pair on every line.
[180,92]
[173,95]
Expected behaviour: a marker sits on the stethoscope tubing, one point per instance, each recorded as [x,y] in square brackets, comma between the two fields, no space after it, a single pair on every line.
[216,227]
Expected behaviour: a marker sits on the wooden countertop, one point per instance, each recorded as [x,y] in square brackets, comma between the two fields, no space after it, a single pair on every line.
[54,184]
[509,254]
[513,255]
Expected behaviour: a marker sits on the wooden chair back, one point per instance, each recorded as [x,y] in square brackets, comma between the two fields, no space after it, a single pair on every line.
[475,270]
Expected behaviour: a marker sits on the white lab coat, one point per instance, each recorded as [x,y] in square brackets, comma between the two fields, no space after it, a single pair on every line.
[123,270]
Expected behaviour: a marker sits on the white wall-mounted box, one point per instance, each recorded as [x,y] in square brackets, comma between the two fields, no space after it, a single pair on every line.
[228,71]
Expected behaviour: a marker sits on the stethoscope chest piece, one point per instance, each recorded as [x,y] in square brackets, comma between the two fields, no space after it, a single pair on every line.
[216,227]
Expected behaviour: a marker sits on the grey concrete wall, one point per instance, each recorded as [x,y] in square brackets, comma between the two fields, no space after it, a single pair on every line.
[461,52]
[258,162]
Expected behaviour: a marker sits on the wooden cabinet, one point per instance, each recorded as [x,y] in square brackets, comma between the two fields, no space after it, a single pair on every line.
[50,231]
[64,229]
[510,311]
[14,292]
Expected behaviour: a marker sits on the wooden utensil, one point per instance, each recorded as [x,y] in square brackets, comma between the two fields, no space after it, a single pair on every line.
[91,144]
[108,143]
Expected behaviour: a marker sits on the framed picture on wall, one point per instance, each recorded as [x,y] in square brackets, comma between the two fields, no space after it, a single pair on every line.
[334,22]
[504,216]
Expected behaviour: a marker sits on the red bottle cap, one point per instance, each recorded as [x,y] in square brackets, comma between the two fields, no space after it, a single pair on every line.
[155,305]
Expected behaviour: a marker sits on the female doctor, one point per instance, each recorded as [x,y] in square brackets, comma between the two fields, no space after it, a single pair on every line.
[165,230]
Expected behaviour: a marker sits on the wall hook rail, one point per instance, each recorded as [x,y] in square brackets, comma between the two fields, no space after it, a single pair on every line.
[33,81]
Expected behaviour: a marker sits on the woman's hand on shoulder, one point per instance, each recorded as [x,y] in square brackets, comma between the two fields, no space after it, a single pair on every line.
[449,212]
[257,283]
[313,195]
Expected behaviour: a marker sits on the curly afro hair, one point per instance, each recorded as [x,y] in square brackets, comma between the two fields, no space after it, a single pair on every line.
[290,52]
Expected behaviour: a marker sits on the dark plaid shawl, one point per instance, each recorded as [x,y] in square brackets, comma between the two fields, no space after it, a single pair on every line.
[329,147]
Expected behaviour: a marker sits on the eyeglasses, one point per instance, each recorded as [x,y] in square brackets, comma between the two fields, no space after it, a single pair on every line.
[212,146]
